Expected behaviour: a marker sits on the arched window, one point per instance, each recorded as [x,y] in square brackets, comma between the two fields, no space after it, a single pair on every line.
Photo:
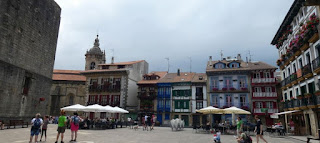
[92,66]
[71,99]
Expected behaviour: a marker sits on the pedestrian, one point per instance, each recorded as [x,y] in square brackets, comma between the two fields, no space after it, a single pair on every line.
[154,118]
[44,127]
[75,120]
[149,122]
[62,122]
[259,129]
[239,126]
[35,127]
[1,125]
[129,122]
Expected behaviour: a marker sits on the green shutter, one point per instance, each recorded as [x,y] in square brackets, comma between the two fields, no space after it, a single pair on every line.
[174,93]
[176,105]
[187,104]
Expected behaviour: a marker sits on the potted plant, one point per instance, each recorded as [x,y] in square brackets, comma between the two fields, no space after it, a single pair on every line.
[317,93]
[300,96]
[307,95]
[232,88]
[225,89]
[215,89]
[244,88]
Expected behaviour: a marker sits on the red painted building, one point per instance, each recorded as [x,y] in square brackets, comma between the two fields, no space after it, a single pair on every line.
[264,94]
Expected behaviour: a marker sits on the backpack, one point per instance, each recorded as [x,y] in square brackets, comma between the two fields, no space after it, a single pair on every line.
[37,124]
[248,139]
[75,120]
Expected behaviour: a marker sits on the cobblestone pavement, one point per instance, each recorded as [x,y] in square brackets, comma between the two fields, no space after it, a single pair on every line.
[126,135]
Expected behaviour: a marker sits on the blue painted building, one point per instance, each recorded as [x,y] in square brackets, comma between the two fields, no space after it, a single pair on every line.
[164,102]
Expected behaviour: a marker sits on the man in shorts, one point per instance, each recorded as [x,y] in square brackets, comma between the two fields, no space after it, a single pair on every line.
[62,122]
[35,128]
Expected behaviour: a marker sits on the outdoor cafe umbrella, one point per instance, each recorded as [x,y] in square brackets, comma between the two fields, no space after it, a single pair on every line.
[109,109]
[94,108]
[76,107]
[210,110]
[120,110]
[234,110]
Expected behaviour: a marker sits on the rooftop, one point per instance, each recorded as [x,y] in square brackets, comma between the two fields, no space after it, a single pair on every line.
[161,74]
[174,77]
[123,63]
[68,75]
[244,66]
[199,78]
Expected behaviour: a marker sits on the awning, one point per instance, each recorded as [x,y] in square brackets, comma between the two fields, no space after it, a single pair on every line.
[286,112]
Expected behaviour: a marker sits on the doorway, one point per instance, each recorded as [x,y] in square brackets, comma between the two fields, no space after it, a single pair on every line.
[185,118]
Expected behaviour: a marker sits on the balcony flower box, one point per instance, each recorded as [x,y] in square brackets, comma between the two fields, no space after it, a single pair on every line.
[314,38]
[245,108]
[244,88]
[317,93]
[225,89]
[215,89]
[216,106]
[299,96]
[232,89]
[225,106]
[307,95]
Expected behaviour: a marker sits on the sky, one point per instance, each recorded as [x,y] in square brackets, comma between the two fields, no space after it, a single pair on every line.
[185,31]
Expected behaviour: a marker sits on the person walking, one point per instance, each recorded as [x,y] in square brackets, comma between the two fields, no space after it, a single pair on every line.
[129,122]
[75,120]
[44,127]
[149,122]
[239,126]
[35,127]
[154,118]
[259,129]
[62,122]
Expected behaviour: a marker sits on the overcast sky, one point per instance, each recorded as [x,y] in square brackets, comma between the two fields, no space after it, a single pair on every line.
[153,30]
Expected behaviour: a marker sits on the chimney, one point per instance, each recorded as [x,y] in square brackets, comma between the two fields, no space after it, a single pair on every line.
[239,57]
[210,60]
[112,60]
[178,73]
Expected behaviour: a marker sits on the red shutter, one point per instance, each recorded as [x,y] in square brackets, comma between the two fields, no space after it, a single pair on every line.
[112,99]
[108,103]
[261,75]
[275,105]
[263,89]
[96,99]
[100,99]
[264,105]
[271,73]
[273,89]
[254,105]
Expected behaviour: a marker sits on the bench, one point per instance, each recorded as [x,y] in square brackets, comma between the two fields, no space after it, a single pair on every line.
[15,123]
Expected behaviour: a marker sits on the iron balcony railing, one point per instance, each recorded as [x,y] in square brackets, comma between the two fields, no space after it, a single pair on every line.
[316,63]
[263,80]
[264,94]
[306,69]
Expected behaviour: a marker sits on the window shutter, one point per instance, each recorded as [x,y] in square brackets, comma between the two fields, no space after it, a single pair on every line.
[261,75]
[275,105]
[187,104]
[273,89]
[263,89]
[254,105]
[271,73]
[176,104]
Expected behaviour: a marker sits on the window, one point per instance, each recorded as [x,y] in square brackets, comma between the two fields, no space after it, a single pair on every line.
[285,96]
[228,100]
[294,68]
[71,100]
[92,99]
[297,91]
[116,100]
[242,83]
[228,82]
[269,105]
[214,100]
[184,105]
[143,88]
[243,100]
[259,105]
[199,105]
[308,58]
[199,93]
[104,100]
[291,94]
[267,75]
[289,71]
[178,105]
[268,89]
[300,63]
[92,66]
[167,103]
[214,82]
[220,66]
[257,75]
[151,88]
[257,89]
[234,65]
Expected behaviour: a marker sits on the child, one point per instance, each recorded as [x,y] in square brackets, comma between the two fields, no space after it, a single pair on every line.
[44,128]
[216,137]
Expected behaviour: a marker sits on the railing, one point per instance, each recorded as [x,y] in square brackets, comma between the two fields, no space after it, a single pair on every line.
[263,80]
[264,94]
[147,95]
[103,89]
[316,63]
[167,109]
[296,103]
[259,110]
[306,69]
[230,88]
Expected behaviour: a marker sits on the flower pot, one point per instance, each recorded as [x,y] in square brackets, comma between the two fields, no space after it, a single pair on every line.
[299,97]
[307,95]
[317,93]
[314,38]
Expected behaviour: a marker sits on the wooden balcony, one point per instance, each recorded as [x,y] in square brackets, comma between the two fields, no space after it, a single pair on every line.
[264,110]
[263,80]
[264,95]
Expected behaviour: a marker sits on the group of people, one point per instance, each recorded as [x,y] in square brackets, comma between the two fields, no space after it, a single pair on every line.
[40,125]
[243,137]
[148,121]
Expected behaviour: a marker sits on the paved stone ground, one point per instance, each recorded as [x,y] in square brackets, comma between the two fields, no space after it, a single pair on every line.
[126,135]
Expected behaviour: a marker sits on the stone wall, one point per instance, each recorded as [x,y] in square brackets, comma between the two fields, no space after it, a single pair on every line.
[28,38]
[62,92]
